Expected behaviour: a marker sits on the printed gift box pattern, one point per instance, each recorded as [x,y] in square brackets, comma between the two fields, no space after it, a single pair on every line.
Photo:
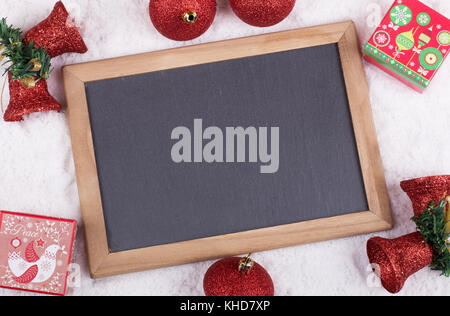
[411,43]
[35,252]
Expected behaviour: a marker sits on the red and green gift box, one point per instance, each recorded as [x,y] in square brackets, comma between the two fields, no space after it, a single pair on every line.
[411,43]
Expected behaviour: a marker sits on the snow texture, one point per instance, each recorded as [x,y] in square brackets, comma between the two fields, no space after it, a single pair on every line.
[37,174]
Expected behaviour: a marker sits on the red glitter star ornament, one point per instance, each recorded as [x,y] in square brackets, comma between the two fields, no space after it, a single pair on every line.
[237,277]
[262,13]
[57,34]
[182,20]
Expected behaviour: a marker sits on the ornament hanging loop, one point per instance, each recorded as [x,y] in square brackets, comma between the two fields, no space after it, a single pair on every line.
[190,16]
[1,96]
[4,82]
[246,264]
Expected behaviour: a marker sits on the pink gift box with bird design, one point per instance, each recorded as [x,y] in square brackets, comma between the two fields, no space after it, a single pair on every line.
[35,252]
[411,43]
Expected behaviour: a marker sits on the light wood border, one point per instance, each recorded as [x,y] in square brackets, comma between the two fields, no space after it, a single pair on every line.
[104,263]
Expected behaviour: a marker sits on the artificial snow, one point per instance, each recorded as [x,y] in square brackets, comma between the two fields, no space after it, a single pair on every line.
[37,171]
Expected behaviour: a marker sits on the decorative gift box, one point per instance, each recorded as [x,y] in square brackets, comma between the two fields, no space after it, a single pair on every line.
[411,43]
[35,252]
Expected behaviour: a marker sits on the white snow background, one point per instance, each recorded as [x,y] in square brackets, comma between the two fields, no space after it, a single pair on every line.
[37,172]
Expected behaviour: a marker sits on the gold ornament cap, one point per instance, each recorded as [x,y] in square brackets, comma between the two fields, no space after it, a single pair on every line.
[28,82]
[190,16]
[37,66]
[1,48]
[246,264]
[447,217]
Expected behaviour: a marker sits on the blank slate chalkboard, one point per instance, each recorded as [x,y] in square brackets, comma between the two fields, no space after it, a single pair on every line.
[218,148]
[300,91]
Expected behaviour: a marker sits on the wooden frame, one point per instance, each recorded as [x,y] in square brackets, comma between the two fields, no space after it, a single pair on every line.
[104,263]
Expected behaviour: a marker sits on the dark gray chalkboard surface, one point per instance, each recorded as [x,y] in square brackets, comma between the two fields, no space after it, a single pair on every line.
[150,200]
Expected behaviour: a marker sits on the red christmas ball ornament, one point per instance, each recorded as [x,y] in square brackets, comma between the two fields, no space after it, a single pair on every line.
[237,277]
[28,96]
[182,20]
[57,34]
[262,13]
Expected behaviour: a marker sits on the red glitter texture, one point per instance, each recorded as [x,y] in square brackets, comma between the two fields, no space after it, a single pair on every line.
[223,278]
[56,35]
[167,17]
[423,190]
[26,101]
[262,13]
[399,258]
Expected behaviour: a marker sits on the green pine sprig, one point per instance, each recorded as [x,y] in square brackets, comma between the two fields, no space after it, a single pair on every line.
[432,224]
[21,58]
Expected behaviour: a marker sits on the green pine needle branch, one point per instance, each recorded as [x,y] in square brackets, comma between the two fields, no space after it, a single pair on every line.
[20,57]
[432,224]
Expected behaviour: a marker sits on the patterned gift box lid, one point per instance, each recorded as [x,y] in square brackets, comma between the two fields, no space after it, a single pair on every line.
[411,43]
[35,252]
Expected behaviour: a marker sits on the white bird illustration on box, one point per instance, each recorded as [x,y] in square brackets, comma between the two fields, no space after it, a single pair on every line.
[33,269]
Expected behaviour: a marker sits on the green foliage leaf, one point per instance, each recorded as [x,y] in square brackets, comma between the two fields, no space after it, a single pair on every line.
[432,224]
[20,57]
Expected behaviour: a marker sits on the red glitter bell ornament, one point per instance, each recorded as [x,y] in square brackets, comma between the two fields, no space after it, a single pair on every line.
[237,277]
[27,98]
[262,13]
[423,190]
[182,20]
[395,260]
[57,34]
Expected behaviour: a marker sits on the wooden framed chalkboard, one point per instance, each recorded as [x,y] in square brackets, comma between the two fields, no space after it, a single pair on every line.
[225,148]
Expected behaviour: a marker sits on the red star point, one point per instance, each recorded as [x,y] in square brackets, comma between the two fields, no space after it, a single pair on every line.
[40,243]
